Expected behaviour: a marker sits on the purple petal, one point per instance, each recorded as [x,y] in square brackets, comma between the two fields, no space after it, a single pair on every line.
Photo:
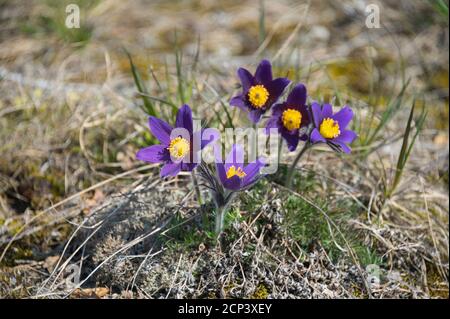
[263,72]
[272,123]
[251,171]
[343,117]
[160,129]
[207,136]
[170,169]
[316,137]
[305,115]
[316,113]
[238,101]
[297,97]
[346,136]
[233,183]
[343,146]
[246,78]
[327,111]
[184,118]
[276,88]
[277,109]
[153,154]
[255,115]
[291,140]
[220,168]
[188,167]
[235,157]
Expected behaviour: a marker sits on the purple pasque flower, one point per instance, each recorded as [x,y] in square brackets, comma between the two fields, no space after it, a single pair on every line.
[259,92]
[331,128]
[233,174]
[291,116]
[175,151]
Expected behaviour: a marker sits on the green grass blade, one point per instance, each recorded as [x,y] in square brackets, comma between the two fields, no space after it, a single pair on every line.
[178,64]
[419,126]
[148,107]
[162,101]
[407,146]
[262,22]
[441,7]
[387,115]
[229,118]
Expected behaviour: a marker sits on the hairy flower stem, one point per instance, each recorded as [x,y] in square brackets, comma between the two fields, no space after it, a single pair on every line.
[221,209]
[254,143]
[196,188]
[294,164]
[280,148]
[220,216]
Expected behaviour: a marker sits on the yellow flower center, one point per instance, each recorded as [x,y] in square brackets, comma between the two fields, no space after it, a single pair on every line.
[178,147]
[291,119]
[258,96]
[329,128]
[232,171]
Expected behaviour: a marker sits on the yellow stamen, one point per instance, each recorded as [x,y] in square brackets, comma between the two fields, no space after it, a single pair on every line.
[291,119]
[232,171]
[329,128]
[258,96]
[179,147]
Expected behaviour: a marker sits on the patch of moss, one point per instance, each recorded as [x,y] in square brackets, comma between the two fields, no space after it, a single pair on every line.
[358,292]
[436,284]
[261,292]
[305,224]
[142,64]
[439,114]
[349,73]
[303,182]
[440,79]
[188,234]
[15,226]
[356,71]
[18,252]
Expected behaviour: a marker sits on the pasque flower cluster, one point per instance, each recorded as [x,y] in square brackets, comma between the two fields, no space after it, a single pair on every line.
[295,119]
[294,116]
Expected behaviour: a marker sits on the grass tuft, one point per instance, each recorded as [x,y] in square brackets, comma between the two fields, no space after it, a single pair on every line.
[310,229]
